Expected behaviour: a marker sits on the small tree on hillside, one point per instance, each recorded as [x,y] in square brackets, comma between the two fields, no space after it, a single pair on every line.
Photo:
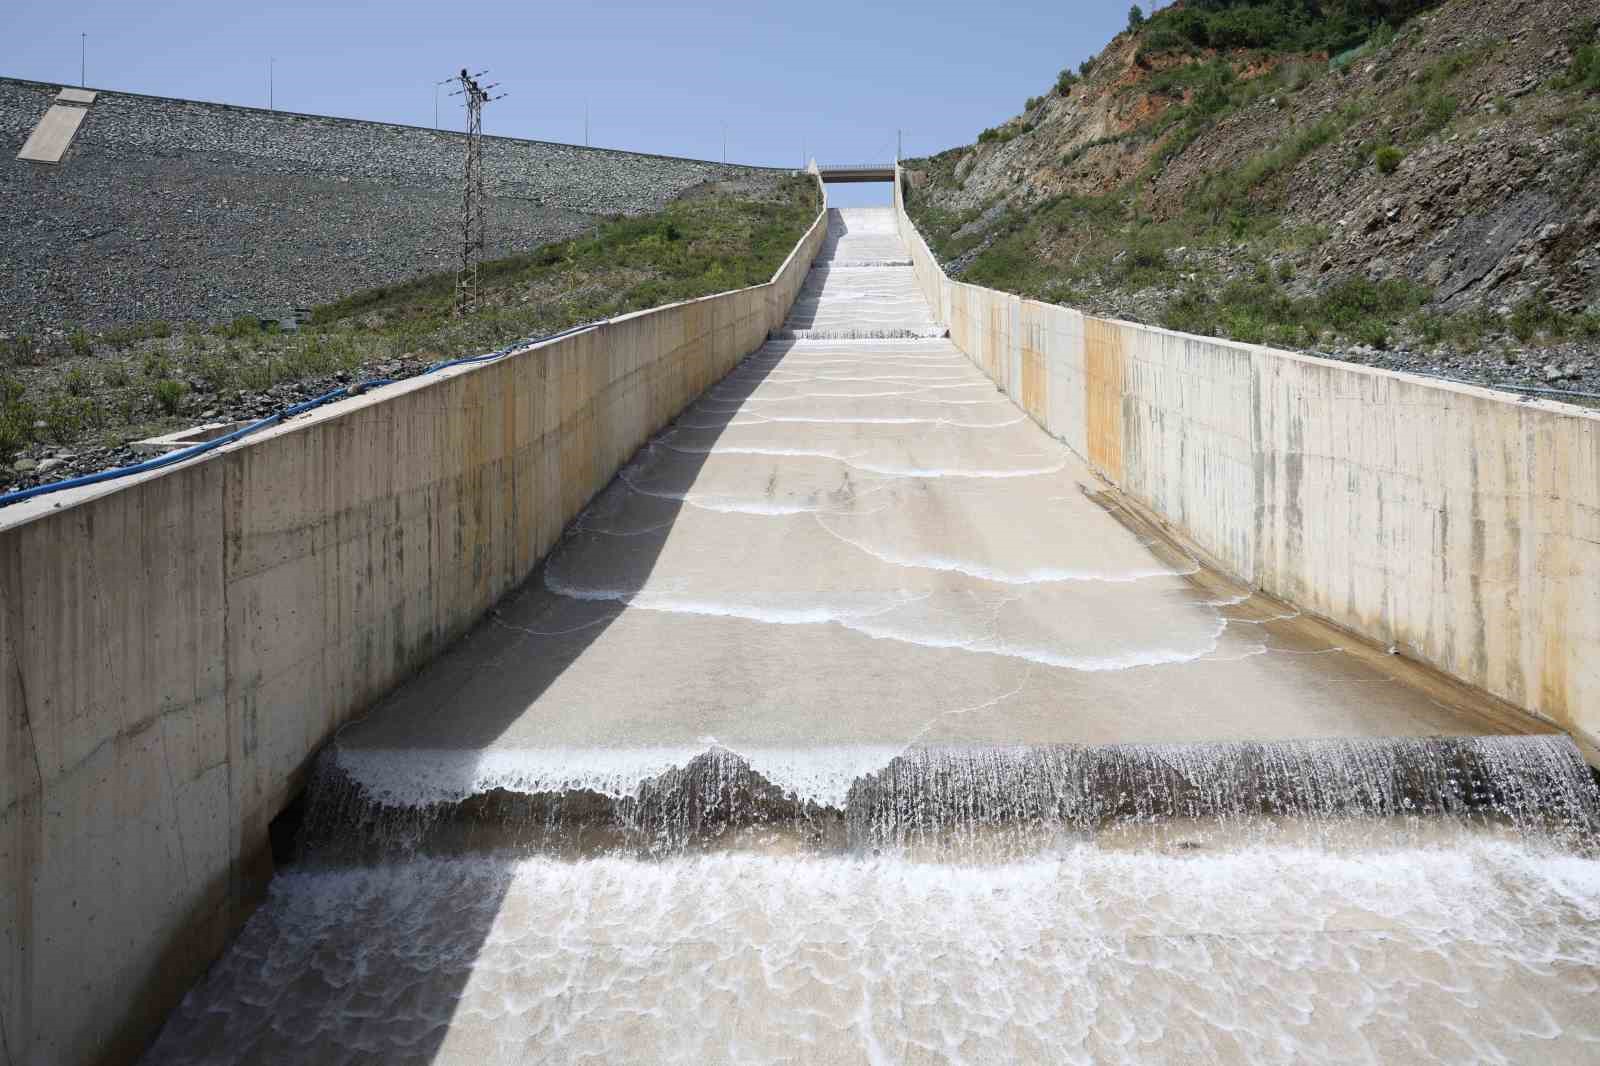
[1135,17]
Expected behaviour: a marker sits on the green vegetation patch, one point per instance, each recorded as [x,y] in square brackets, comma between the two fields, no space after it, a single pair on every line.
[694,247]
[1259,310]
[1328,26]
[1584,72]
[140,380]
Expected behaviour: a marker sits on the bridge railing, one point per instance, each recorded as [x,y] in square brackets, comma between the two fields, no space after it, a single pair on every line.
[858,171]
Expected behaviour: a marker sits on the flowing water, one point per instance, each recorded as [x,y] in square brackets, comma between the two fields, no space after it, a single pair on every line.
[854,723]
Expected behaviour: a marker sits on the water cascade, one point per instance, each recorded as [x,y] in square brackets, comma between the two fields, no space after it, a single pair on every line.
[854,724]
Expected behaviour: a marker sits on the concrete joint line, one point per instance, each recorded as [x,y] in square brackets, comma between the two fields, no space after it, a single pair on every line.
[27,720]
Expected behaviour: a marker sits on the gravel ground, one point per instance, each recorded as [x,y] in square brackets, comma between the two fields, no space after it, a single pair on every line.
[1551,371]
[42,463]
[178,210]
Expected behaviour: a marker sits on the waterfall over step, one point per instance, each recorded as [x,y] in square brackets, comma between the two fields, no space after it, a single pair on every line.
[959,804]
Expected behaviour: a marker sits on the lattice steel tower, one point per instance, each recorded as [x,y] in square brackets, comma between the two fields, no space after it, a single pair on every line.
[472,200]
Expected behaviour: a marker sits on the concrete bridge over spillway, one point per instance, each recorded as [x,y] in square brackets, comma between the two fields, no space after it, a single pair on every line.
[857,718]
[849,173]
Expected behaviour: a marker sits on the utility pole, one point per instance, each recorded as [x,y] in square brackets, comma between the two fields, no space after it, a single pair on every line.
[83,60]
[472,209]
[899,144]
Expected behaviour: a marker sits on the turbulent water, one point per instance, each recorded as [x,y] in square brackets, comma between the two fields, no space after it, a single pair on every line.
[808,747]
[1371,901]
[1471,951]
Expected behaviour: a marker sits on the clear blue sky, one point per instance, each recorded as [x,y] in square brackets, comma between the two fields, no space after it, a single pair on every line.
[833,79]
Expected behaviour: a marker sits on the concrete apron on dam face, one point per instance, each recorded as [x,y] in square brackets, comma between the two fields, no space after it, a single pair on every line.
[845,551]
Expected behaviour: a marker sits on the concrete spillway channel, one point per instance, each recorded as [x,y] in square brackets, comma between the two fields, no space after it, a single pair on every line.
[854,722]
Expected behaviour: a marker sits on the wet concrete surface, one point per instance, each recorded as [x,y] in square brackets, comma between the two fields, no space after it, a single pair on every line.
[852,546]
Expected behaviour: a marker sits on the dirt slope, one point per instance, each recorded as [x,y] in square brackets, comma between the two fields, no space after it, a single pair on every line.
[1429,198]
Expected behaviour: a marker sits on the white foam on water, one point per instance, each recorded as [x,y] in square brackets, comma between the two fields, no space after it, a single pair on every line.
[890,420]
[1481,950]
[907,471]
[1038,575]
[726,504]
[888,628]
[878,619]
[900,470]
[419,777]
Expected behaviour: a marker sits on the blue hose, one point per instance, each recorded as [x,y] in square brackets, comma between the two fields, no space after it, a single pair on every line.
[288,412]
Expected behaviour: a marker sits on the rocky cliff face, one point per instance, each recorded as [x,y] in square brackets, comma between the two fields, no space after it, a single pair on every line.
[1450,165]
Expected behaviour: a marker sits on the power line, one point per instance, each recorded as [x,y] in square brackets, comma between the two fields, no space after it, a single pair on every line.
[441,81]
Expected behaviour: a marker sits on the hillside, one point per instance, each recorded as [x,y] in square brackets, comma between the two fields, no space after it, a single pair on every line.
[70,404]
[1410,184]
[179,210]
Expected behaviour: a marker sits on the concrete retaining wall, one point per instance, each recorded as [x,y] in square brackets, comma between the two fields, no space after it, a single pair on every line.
[1458,524]
[173,650]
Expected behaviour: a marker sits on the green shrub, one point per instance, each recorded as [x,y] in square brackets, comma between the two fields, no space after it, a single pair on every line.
[1373,332]
[1438,111]
[1193,311]
[13,437]
[16,418]
[257,376]
[1388,158]
[1002,134]
[215,371]
[1135,18]
[1533,316]
[1065,81]
[77,382]
[1429,327]
[1033,102]
[78,341]
[116,376]
[246,326]
[168,395]
[18,350]
[65,416]
[1584,73]
[1144,260]
[157,365]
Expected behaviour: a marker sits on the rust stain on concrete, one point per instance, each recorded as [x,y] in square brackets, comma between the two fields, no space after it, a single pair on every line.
[1102,401]
[1035,366]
